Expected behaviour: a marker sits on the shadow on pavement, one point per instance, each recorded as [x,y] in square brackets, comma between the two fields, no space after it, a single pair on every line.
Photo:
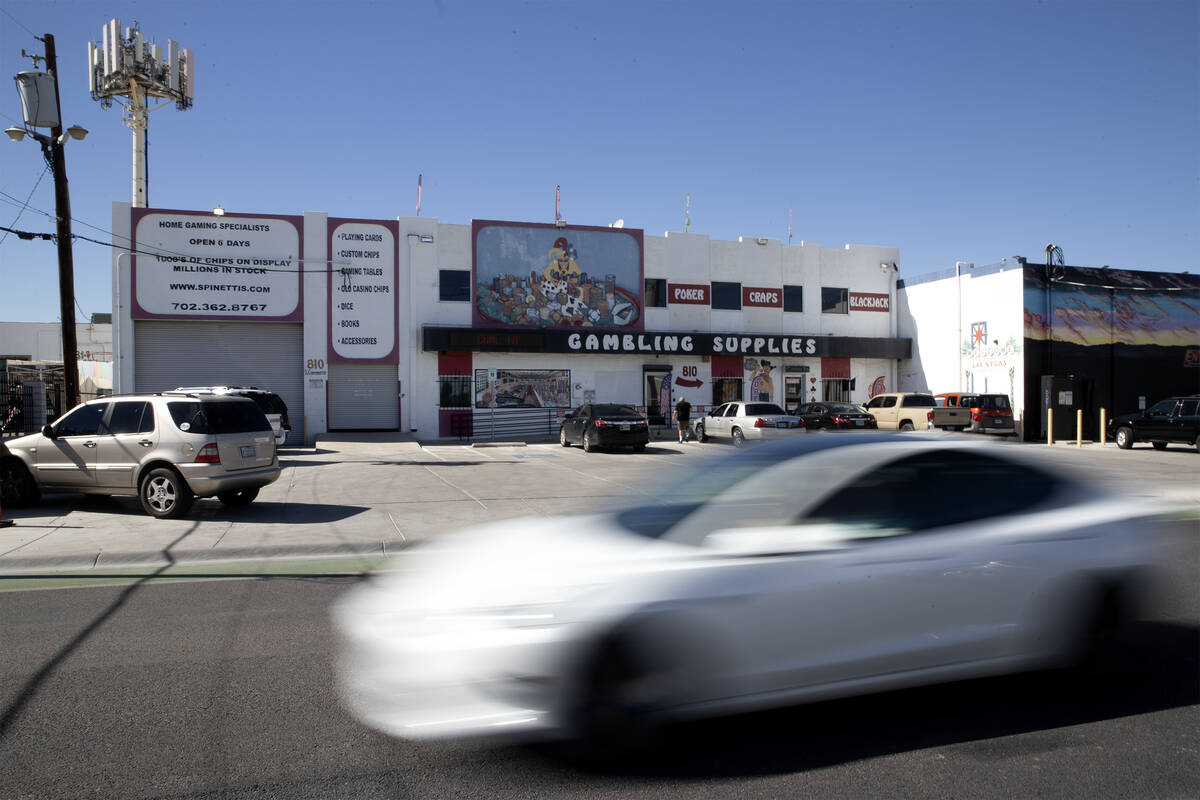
[1163,674]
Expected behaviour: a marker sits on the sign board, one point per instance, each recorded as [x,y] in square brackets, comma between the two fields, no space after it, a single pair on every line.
[694,294]
[870,301]
[753,296]
[197,265]
[362,290]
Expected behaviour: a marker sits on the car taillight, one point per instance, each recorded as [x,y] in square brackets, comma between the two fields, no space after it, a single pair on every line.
[760,423]
[641,423]
[929,416]
[208,454]
[840,420]
[603,423]
[977,417]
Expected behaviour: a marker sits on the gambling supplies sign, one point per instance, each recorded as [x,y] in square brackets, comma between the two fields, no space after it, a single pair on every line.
[362,290]
[190,265]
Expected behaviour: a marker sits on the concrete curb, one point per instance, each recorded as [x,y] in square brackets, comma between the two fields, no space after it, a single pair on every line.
[17,565]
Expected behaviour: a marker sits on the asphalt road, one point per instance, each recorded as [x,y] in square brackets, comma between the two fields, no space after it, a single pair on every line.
[223,689]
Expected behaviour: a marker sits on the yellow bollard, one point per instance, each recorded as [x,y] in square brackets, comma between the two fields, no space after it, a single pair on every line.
[1079,428]
[1103,427]
[1049,426]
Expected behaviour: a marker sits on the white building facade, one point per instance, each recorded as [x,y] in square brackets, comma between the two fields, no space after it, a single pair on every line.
[447,330]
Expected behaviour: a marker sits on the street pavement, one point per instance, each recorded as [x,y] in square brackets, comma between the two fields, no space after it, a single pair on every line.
[367,496]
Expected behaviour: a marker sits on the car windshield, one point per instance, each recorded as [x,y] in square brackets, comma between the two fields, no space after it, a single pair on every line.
[921,400]
[218,416]
[269,403]
[613,410]
[991,401]
[763,408]
[844,408]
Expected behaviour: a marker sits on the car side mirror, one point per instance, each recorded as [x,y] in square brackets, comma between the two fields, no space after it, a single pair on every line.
[48,431]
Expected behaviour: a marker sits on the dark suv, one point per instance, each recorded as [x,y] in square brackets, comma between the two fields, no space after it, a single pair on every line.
[1174,420]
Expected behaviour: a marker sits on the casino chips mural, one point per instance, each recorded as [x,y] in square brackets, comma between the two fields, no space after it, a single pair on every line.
[542,276]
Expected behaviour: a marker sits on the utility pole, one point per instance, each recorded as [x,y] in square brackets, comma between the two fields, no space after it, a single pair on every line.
[125,67]
[66,258]
[30,84]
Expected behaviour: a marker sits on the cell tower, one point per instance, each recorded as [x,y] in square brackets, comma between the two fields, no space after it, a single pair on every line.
[131,71]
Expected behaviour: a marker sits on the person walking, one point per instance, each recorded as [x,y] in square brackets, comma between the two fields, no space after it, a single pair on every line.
[682,415]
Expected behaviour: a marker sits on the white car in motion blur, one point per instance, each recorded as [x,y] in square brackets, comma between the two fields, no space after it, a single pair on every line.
[810,568]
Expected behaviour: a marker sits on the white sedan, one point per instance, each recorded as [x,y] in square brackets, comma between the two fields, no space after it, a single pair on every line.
[812,568]
[740,421]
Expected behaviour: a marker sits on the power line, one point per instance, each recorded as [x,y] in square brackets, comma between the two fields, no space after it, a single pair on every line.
[21,24]
[25,205]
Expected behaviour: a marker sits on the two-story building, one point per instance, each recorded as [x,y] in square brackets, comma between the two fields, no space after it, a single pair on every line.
[456,330]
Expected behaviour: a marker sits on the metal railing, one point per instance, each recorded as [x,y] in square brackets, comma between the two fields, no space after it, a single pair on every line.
[20,409]
[517,424]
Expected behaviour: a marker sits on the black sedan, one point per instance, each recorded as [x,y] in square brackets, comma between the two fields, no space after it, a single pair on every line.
[604,425]
[1175,420]
[835,415]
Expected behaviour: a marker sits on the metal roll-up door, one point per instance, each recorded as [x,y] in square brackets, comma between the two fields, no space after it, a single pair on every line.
[363,397]
[269,355]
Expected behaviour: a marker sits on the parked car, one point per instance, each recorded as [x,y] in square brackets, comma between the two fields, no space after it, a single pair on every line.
[1175,420]
[806,569]
[740,421]
[165,449]
[596,425]
[905,411]
[990,413]
[829,415]
[271,404]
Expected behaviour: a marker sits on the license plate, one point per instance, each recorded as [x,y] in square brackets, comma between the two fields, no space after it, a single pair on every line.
[248,452]
[782,424]
[997,421]
[860,422]
[624,427]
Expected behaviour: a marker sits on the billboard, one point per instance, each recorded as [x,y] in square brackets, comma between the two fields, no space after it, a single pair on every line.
[197,265]
[363,283]
[529,275]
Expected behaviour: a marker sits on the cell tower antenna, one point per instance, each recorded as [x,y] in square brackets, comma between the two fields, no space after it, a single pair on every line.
[123,66]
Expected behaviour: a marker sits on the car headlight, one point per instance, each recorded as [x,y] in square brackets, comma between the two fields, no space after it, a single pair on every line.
[531,616]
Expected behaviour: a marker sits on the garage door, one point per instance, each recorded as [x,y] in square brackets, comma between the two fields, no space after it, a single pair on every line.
[363,397]
[268,355]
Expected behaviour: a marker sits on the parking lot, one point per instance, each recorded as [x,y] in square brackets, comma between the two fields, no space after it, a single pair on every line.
[370,497]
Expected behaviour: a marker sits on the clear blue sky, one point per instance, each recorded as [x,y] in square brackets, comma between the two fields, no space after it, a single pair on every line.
[952,130]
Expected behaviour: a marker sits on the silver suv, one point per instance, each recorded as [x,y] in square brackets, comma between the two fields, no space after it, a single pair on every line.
[167,449]
[271,404]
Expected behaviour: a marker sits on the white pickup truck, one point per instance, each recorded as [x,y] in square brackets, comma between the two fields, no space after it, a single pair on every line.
[907,411]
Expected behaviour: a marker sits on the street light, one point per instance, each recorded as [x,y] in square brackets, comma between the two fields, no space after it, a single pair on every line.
[41,111]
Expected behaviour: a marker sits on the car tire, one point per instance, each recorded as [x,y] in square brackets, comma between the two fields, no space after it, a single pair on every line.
[238,499]
[589,443]
[639,448]
[610,719]
[17,487]
[1159,445]
[701,436]
[164,494]
[1124,438]
[562,437]
[1196,444]
[739,438]
[906,426]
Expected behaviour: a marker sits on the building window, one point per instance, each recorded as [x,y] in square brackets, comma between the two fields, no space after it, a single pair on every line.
[726,390]
[836,390]
[793,298]
[727,295]
[835,301]
[656,292]
[455,391]
[454,285]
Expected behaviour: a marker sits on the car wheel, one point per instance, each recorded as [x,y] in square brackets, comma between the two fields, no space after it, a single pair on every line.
[1197,444]
[562,437]
[739,438]
[17,486]
[589,443]
[164,494]
[639,448]
[240,498]
[701,436]
[1159,445]
[611,719]
[906,426]
[1124,438]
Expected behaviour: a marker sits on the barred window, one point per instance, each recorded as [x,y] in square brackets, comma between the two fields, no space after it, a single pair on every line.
[454,391]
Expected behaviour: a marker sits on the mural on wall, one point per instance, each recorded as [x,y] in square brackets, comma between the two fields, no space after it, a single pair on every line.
[544,276]
[522,388]
[1138,312]
[759,380]
[878,386]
